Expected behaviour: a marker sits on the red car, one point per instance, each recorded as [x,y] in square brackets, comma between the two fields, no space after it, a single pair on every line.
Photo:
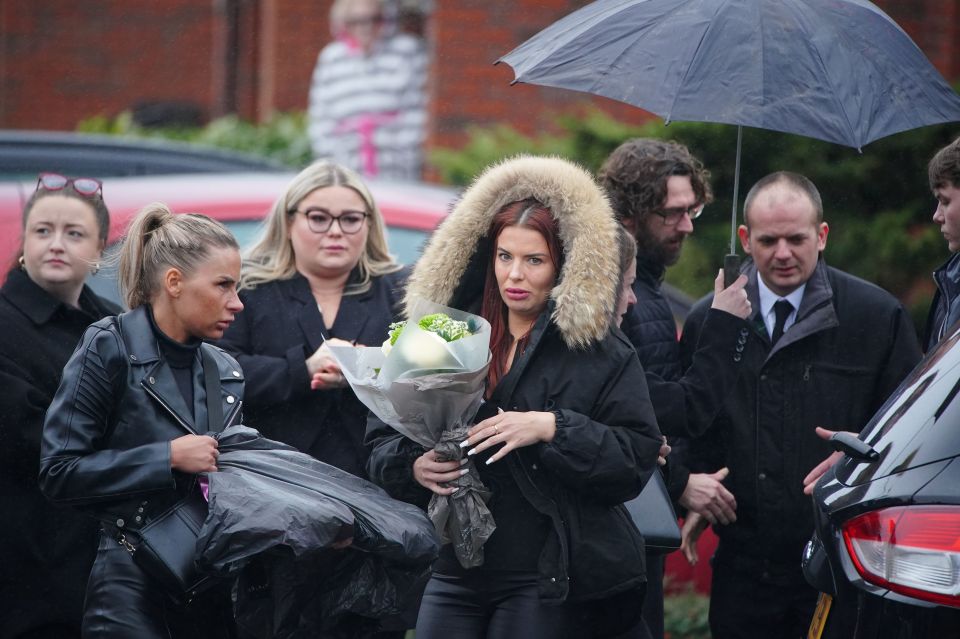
[240,201]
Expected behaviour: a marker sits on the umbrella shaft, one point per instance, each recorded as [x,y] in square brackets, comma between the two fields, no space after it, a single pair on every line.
[736,194]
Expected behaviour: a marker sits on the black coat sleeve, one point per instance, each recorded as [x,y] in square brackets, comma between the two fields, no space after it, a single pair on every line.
[706,451]
[22,407]
[903,354]
[686,407]
[73,467]
[271,379]
[610,453]
[390,464]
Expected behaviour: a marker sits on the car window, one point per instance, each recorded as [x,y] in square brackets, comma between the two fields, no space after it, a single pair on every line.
[918,424]
[406,244]
[246,231]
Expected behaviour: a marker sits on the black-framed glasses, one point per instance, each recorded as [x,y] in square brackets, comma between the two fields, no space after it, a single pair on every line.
[320,221]
[673,215]
[85,186]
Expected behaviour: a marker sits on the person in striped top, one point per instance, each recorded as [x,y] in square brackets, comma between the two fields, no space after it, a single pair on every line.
[367,106]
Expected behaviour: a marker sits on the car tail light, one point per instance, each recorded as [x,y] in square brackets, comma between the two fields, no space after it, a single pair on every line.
[911,550]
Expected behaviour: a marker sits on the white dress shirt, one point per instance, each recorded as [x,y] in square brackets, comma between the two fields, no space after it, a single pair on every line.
[768,298]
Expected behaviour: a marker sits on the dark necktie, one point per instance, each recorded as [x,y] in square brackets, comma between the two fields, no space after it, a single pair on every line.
[782,310]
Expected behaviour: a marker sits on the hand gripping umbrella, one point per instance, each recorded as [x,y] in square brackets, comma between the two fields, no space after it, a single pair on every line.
[836,70]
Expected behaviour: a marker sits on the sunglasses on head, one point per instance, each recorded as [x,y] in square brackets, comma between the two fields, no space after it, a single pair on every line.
[85,186]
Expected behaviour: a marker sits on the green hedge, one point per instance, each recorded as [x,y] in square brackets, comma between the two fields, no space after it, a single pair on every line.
[877,203]
[282,138]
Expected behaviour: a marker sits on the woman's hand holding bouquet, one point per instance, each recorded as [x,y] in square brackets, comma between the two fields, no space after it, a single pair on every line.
[427,382]
[438,476]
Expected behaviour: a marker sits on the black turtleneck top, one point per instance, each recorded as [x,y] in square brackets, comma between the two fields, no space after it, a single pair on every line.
[180,358]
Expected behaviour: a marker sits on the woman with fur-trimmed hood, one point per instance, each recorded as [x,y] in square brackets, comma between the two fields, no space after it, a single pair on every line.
[532,247]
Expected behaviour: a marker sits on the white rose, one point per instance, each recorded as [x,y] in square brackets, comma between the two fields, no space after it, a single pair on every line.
[424,349]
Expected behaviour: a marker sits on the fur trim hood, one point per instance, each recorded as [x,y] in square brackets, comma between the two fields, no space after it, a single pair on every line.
[454,262]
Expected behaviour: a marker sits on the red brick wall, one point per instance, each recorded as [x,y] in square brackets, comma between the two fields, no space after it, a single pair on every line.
[302,30]
[935,26]
[62,61]
[468,37]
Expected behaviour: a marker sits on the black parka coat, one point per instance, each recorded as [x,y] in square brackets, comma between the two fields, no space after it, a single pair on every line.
[606,440]
[279,328]
[850,347]
[106,439]
[46,556]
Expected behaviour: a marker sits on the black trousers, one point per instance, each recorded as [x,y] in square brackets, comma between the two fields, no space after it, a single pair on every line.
[507,606]
[123,602]
[483,607]
[746,603]
[653,602]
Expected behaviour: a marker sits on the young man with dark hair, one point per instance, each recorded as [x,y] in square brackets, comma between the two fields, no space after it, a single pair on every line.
[944,175]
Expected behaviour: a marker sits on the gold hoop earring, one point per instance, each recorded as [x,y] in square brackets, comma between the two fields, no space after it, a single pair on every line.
[23,263]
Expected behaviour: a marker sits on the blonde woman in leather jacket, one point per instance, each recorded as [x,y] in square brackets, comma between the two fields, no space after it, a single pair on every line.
[124,437]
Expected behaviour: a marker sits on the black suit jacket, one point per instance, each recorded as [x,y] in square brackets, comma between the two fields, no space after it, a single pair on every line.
[279,328]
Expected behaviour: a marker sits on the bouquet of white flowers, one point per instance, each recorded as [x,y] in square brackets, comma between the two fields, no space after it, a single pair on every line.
[427,382]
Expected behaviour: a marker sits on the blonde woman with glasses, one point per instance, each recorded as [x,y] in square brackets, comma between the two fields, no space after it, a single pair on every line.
[319,274]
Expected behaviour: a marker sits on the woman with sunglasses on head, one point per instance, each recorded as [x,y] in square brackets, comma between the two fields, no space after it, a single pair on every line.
[320,273]
[124,436]
[532,247]
[45,307]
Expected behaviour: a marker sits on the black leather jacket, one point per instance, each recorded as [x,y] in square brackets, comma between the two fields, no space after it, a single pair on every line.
[106,438]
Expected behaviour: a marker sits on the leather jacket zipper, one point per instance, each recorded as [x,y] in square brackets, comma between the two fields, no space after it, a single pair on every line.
[166,407]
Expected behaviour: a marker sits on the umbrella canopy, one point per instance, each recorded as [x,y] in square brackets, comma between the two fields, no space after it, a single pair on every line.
[836,70]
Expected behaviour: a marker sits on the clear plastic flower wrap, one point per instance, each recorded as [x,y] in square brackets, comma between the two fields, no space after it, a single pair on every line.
[429,389]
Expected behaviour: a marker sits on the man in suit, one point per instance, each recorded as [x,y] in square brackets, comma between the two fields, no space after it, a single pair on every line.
[828,350]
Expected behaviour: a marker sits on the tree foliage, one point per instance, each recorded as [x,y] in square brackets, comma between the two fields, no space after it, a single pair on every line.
[877,203]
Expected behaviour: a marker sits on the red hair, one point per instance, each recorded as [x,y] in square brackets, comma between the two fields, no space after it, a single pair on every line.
[531,214]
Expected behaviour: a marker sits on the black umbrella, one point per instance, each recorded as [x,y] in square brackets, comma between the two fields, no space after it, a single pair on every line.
[836,70]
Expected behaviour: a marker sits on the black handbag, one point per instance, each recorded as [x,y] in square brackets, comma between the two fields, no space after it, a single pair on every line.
[653,514]
[166,549]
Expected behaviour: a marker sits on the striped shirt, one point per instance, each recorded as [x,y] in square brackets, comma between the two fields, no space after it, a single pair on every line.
[368,112]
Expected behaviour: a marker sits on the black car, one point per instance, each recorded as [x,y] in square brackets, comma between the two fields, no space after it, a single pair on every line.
[24,154]
[886,547]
